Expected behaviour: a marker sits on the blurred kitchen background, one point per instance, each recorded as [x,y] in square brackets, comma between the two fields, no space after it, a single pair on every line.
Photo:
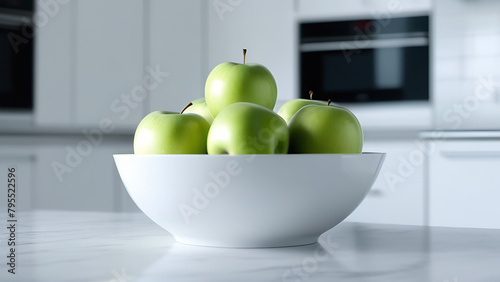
[423,77]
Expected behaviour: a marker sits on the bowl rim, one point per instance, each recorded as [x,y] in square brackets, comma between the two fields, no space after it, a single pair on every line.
[246,155]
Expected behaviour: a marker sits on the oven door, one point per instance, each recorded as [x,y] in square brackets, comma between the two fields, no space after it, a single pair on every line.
[366,71]
[16,62]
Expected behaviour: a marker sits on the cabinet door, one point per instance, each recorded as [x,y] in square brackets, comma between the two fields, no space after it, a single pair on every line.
[109,62]
[397,196]
[266,28]
[54,95]
[76,174]
[464,183]
[177,48]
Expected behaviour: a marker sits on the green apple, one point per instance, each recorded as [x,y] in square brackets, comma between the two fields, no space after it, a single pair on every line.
[171,133]
[247,128]
[230,83]
[199,106]
[325,130]
[291,107]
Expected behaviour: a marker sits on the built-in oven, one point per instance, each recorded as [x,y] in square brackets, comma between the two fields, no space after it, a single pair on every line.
[369,60]
[16,55]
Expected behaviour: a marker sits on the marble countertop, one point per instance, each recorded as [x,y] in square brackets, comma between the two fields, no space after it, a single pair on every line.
[92,246]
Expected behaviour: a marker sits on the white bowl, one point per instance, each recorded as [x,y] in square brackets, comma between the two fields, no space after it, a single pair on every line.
[248,200]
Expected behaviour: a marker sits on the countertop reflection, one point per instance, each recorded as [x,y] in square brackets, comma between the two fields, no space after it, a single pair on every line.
[93,246]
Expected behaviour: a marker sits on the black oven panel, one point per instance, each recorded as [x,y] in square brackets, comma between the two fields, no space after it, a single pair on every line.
[365,60]
[16,55]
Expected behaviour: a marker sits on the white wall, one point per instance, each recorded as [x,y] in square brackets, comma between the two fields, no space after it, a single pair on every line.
[466,40]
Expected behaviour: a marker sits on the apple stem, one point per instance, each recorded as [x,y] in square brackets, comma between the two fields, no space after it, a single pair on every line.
[187,106]
[244,55]
[329,102]
[311,94]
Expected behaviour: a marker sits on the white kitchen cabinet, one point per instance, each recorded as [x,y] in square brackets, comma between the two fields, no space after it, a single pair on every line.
[267,29]
[118,60]
[464,184]
[177,48]
[89,63]
[63,172]
[53,73]
[73,175]
[108,70]
[338,9]
[397,196]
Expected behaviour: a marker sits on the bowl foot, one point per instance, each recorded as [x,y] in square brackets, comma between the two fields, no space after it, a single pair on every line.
[246,245]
